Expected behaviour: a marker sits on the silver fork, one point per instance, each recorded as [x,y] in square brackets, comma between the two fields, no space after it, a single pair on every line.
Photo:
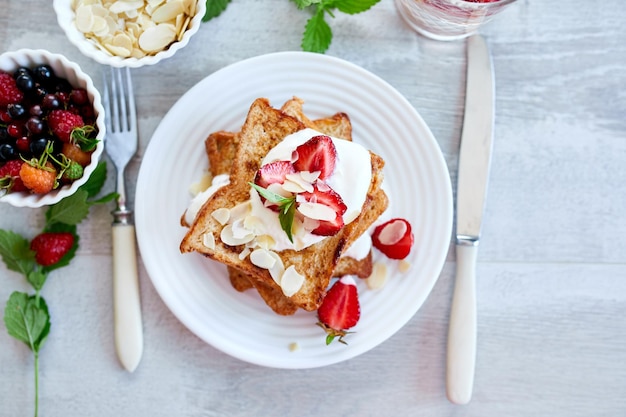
[121,145]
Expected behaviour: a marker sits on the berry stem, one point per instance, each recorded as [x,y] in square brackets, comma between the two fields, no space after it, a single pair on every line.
[36,382]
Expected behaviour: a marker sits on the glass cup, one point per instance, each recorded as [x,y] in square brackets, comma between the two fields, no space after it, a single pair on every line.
[447,20]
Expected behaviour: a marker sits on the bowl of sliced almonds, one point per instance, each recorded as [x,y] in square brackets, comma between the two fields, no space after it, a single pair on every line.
[129,33]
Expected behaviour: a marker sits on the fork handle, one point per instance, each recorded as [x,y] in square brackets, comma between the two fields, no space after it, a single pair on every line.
[126,303]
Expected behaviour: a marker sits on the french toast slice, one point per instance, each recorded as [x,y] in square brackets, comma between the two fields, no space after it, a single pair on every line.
[220,148]
[263,129]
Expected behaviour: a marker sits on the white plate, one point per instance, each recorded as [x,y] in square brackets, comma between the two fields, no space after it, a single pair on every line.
[198,291]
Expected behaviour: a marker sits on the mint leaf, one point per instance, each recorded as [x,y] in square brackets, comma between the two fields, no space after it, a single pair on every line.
[36,278]
[27,319]
[16,253]
[214,8]
[96,180]
[71,210]
[317,34]
[105,199]
[354,6]
[287,206]
[302,4]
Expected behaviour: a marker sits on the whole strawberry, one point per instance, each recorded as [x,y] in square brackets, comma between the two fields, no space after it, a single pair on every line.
[340,309]
[10,176]
[51,247]
[63,122]
[9,93]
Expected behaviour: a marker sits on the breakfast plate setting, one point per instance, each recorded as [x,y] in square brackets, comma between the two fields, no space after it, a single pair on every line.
[197,289]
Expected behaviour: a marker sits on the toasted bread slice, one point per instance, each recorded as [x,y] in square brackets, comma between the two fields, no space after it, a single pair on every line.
[220,148]
[264,128]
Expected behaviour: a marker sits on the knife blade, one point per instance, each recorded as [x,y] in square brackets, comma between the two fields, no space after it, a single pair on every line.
[473,175]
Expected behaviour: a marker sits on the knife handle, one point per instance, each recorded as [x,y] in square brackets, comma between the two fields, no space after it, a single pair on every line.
[462,330]
[126,303]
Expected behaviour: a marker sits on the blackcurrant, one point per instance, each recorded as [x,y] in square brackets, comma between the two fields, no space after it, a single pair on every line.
[7,152]
[16,111]
[35,125]
[25,83]
[43,73]
[50,102]
[38,146]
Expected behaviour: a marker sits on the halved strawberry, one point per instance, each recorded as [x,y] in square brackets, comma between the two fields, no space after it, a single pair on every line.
[340,309]
[272,173]
[316,154]
[328,197]
[51,247]
[393,238]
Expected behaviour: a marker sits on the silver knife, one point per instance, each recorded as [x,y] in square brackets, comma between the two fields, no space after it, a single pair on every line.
[473,175]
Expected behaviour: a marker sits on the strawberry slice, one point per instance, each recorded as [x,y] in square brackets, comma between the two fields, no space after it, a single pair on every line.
[272,173]
[51,247]
[393,238]
[316,154]
[328,197]
[340,309]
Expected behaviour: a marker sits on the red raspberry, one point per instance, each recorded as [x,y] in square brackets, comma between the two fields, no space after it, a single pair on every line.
[9,93]
[10,174]
[51,247]
[63,122]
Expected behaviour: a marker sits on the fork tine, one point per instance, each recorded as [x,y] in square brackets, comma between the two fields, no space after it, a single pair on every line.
[115,101]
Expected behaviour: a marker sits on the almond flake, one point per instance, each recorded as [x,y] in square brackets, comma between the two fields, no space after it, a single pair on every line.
[244,253]
[404,266]
[291,281]
[265,241]
[299,179]
[208,240]
[228,237]
[317,211]
[168,11]
[277,270]
[156,38]
[240,211]
[262,258]
[310,176]
[221,215]
[378,278]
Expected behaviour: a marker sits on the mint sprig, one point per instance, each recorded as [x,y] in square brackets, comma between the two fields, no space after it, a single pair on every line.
[317,34]
[286,205]
[26,316]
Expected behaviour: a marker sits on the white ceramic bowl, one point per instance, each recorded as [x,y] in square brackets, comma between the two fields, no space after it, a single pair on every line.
[9,62]
[66,15]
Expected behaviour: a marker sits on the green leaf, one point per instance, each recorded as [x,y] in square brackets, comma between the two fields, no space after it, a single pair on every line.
[302,4]
[96,180]
[354,6]
[105,199]
[27,319]
[37,278]
[287,206]
[317,34]
[214,8]
[71,210]
[16,253]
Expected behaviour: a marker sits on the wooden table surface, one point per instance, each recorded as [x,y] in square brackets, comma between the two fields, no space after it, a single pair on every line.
[551,265]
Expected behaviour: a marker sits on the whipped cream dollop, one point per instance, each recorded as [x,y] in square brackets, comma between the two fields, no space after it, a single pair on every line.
[351,179]
[199,199]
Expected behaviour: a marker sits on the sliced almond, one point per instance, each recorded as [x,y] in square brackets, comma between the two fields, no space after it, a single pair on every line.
[208,240]
[291,281]
[317,211]
[168,11]
[277,270]
[157,38]
[228,237]
[378,278]
[262,258]
[404,266]
[222,215]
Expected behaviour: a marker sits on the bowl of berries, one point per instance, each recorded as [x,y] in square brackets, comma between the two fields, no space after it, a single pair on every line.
[51,127]
[129,33]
